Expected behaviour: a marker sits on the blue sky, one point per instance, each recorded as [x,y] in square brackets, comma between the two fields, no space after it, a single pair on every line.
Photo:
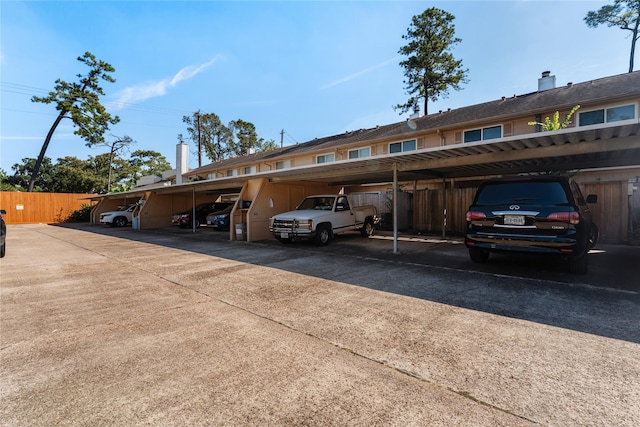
[310,68]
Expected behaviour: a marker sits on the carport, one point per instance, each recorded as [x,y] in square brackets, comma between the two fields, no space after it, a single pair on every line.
[257,200]
[263,194]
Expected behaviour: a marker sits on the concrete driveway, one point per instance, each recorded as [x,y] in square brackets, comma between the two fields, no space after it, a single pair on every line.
[103,326]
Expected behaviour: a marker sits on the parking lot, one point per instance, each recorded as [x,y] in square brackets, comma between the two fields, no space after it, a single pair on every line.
[111,326]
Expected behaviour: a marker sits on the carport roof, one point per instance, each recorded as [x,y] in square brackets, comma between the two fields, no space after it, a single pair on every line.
[586,147]
[567,149]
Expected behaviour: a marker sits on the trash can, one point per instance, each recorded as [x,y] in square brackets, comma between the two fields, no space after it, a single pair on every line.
[241,231]
[136,223]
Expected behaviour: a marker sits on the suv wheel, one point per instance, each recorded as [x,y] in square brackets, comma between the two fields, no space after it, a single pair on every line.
[594,235]
[578,264]
[478,255]
[120,221]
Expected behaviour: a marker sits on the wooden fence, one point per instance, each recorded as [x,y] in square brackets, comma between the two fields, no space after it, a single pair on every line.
[33,208]
[617,213]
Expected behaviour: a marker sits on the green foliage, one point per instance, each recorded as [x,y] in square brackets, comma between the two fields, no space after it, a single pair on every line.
[72,175]
[220,141]
[81,215]
[147,162]
[266,145]
[79,101]
[22,175]
[430,68]
[556,124]
[209,130]
[624,14]
[117,146]
[245,137]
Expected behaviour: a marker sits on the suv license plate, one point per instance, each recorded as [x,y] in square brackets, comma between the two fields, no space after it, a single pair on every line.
[514,220]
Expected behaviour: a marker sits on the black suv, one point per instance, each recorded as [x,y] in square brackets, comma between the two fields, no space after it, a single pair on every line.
[541,214]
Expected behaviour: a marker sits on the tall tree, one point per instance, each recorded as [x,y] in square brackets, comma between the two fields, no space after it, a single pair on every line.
[117,146]
[22,173]
[79,101]
[266,145]
[624,14]
[73,175]
[430,68]
[208,132]
[245,137]
[147,162]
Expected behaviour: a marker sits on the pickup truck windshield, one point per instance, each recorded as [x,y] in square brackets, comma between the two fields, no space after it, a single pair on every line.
[316,203]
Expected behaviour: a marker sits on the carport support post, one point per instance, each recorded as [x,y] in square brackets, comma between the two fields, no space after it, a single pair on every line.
[395,208]
[193,210]
[444,208]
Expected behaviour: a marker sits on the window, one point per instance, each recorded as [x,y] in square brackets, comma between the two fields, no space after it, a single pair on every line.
[231,172]
[483,134]
[401,147]
[607,115]
[249,170]
[283,164]
[359,153]
[325,158]
[342,204]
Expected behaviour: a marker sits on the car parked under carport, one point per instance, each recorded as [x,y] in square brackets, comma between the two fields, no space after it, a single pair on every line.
[183,219]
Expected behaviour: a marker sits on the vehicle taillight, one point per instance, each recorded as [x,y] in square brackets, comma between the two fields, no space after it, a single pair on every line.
[475,215]
[570,217]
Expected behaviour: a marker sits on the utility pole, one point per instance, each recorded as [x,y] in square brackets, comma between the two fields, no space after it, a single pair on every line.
[197,114]
[282,138]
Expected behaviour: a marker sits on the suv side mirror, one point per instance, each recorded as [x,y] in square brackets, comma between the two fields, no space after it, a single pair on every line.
[592,198]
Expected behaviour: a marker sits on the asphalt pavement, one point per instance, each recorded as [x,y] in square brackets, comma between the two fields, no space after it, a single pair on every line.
[109,326]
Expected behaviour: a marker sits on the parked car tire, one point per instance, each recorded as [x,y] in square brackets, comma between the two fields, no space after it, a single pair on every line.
[367,228]
[323,235]
[593,236]
[119,221]
[478,255]
[579,264]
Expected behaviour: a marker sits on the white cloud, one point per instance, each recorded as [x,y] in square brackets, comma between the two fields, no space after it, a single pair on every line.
[359,73]
[157,88]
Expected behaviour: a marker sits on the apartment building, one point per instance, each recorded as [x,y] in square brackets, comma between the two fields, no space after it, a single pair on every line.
[432,164]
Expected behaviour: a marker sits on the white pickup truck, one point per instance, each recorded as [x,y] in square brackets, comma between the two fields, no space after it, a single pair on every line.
[321,217]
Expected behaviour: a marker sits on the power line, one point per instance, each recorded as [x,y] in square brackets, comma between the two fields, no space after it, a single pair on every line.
[20,89]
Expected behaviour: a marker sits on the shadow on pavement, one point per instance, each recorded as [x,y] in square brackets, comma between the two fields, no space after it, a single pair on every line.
[605,302]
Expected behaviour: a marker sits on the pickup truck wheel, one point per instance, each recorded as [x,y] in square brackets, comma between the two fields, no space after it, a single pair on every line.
[367,228]
[323,235]
[120,221]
